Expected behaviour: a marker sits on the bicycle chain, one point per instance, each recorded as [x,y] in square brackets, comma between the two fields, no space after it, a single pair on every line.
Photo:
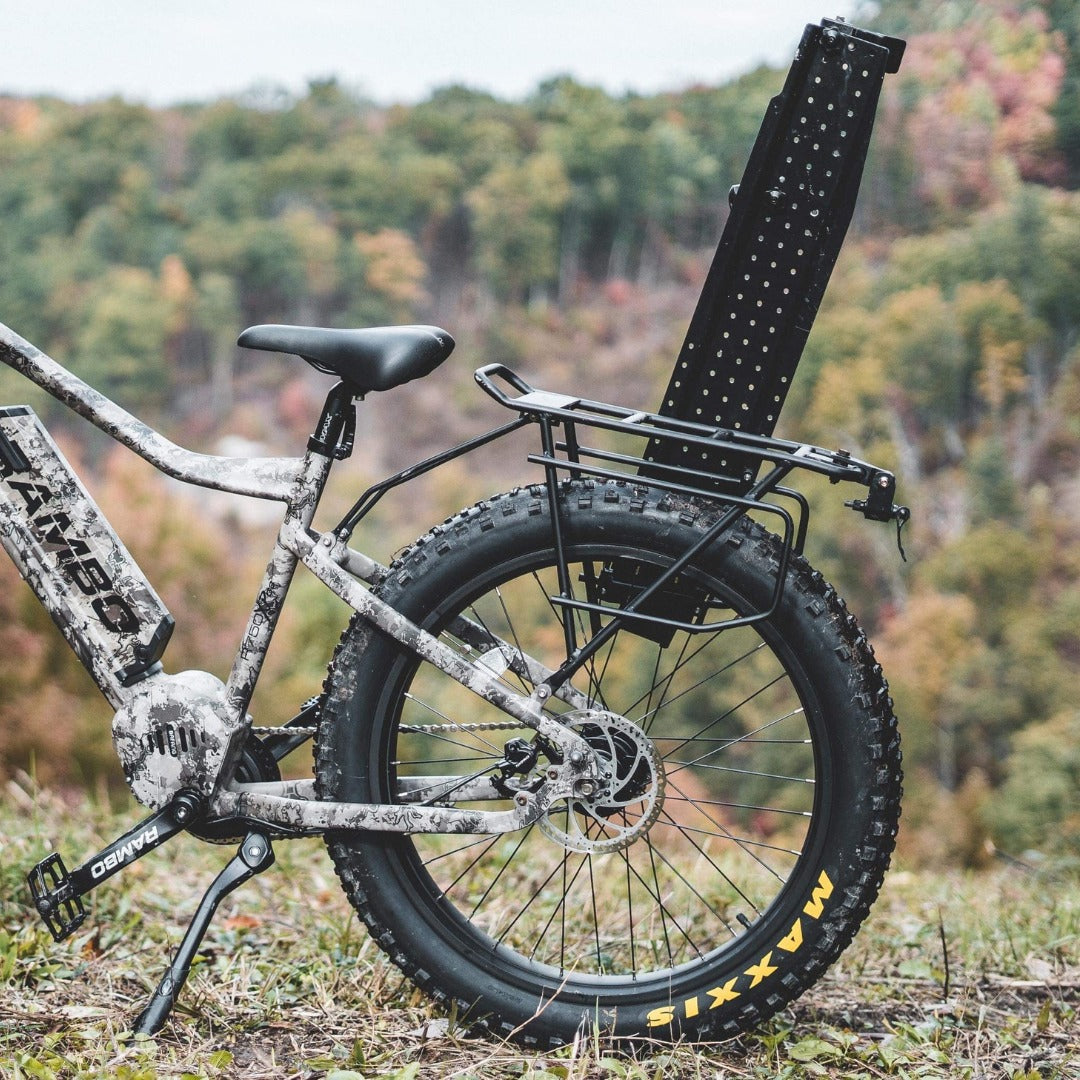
[427,729]
[406,729]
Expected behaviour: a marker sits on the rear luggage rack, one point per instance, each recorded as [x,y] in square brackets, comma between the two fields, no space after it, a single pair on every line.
[659,601]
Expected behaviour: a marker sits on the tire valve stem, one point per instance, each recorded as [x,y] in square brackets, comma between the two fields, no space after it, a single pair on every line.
[744,920]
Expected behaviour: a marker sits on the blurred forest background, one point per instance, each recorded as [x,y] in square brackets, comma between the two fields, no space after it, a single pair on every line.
[568,235]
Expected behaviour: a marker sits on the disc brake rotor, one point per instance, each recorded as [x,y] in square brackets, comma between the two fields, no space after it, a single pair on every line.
[629,796]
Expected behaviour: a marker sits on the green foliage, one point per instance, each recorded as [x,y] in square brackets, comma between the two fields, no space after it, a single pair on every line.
[1037,807]
[568,234]
[516,214]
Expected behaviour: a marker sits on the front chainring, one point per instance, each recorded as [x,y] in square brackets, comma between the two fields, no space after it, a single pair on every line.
[256,766]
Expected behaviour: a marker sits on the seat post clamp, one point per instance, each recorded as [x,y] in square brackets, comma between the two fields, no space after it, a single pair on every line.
[336,430]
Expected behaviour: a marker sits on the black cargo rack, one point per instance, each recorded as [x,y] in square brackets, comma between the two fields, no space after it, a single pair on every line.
[642,602]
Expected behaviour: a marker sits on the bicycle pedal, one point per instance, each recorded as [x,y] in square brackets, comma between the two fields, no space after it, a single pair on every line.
[60,908]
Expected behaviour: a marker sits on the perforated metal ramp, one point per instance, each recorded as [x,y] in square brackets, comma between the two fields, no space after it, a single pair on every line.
[788,220]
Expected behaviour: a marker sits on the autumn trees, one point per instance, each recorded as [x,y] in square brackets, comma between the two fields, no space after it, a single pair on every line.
[570,232]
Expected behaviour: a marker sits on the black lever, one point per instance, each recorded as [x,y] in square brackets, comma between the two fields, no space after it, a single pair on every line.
[878,506]
[254,856]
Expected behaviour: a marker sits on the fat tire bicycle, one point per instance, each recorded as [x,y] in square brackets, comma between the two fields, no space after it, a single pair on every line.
[603,751]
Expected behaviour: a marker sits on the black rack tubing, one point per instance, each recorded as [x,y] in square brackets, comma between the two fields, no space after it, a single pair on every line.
[620,616]
[830,463]
[367,501]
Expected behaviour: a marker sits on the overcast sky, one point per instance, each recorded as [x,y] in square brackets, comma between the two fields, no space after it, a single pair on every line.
[391,50]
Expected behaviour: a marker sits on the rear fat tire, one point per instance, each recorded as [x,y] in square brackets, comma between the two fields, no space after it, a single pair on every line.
[785,917]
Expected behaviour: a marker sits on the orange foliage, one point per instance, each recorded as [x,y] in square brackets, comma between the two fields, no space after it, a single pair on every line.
[985,97]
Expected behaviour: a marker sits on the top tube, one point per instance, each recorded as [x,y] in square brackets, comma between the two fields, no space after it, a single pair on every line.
[261,478]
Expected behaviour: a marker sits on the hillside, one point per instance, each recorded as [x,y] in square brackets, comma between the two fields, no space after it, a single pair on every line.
[568,235]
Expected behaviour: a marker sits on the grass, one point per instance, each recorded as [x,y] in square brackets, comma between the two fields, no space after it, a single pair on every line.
[954,975]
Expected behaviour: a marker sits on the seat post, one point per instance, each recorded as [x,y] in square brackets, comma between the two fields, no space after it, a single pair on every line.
[333,437]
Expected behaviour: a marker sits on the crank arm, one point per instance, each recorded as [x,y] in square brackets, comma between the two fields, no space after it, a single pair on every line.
[58,894]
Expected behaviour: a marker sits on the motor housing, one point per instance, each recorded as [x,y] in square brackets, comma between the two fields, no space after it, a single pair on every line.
[174,734]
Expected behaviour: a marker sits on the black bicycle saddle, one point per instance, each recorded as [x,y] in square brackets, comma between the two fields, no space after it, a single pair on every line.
[372,358]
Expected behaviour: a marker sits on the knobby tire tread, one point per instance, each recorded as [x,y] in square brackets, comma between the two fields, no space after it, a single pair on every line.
[820,604]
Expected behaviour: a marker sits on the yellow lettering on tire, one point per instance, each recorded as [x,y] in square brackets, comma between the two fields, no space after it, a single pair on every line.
[660,1017]
[722,994]
[761,970]
[822,891]
[792,942]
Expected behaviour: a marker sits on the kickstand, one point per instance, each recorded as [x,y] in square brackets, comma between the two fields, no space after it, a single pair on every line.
[254,856]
